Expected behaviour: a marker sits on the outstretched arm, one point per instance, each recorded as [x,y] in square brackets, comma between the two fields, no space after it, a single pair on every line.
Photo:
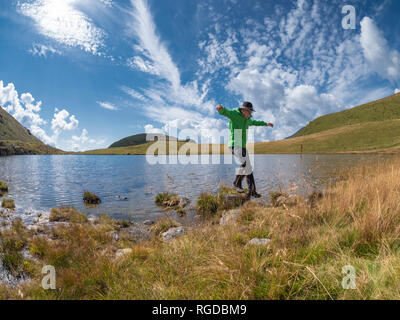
[260,123]
[225,112]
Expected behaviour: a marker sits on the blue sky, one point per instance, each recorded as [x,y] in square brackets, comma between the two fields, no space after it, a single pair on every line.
[82,74]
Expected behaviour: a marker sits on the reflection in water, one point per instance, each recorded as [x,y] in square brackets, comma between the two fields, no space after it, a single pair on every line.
[39,183]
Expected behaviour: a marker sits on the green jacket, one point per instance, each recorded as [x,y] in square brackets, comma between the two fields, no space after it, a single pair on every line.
[238,122]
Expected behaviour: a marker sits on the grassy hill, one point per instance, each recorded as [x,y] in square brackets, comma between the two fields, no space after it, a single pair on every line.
[382,136]
[142,149]
[16,139]
[381,110]
[140,139]
[372,127]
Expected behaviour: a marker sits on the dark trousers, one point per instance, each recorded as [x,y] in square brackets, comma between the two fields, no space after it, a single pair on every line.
[244,169]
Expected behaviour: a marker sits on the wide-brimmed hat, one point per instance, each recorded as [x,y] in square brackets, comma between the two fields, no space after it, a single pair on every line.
[247,106]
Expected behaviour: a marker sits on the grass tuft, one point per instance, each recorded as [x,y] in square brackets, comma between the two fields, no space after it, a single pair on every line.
[3,187]
[91,198]
[67,214]
[8,204]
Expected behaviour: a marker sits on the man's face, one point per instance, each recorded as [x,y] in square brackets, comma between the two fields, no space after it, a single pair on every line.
[246,113]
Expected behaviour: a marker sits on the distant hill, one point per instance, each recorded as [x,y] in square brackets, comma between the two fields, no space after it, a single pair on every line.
[371,127]
[139,139]
[381,110]
[16,139]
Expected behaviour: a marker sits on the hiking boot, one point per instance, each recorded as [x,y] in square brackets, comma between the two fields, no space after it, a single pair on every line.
[252,187]
[255,195]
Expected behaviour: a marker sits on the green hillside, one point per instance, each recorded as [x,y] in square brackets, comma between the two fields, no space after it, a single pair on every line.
[380,110]
[140,139]
[381,136]
[11,129]
[16,139]
[372,127]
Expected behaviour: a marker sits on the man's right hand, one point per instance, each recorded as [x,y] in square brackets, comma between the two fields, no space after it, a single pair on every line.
[219,107]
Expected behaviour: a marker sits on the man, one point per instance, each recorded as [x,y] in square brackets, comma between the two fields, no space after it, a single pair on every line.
[240,121]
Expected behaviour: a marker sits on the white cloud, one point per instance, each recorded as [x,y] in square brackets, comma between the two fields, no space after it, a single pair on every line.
[42,135]
[25,109]
[149,128]
[218,54]
[383,60]
[134,94]
[151,45]
[108,3]
[396,91]
[42,50]
[61,21]
[138,63]
[107,105]
[297,66]
[84,142]
[62,121]
[155,59]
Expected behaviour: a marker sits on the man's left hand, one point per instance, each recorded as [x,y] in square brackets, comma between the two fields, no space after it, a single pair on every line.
[270,125]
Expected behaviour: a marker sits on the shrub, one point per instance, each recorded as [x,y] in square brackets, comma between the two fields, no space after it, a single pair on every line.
[167,200]
[91,198]
[3,186]
[8,204]
[274,196]
[12,242]
[207,204]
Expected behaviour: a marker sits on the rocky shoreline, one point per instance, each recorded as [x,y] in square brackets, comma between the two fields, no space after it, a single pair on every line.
[120,236]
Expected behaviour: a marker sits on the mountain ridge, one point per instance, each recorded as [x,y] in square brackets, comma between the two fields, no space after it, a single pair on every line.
[15,139]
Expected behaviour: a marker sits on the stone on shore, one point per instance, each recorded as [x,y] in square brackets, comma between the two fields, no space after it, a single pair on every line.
[148,222]
[233,200]
[258,242]
[173,233]
[230,217]
[123,252]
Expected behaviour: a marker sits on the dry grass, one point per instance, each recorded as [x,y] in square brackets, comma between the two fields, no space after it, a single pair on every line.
[356,222]
[67,214]
[8,204]
[3,187]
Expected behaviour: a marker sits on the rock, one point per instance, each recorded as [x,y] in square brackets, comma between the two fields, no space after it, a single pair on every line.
[231,201]
[184,202]
[230,217]
[123,252]
[173,233]
[92,219]
[37,229]
[137,232]
[114,235]
[258,242]
[148,222]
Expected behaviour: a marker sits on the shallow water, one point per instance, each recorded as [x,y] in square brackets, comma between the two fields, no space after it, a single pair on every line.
[39,183]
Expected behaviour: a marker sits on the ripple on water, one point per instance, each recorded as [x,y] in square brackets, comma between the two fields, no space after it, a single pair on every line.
[39,183]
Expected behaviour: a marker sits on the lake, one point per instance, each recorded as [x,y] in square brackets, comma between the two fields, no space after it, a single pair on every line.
[39,183]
